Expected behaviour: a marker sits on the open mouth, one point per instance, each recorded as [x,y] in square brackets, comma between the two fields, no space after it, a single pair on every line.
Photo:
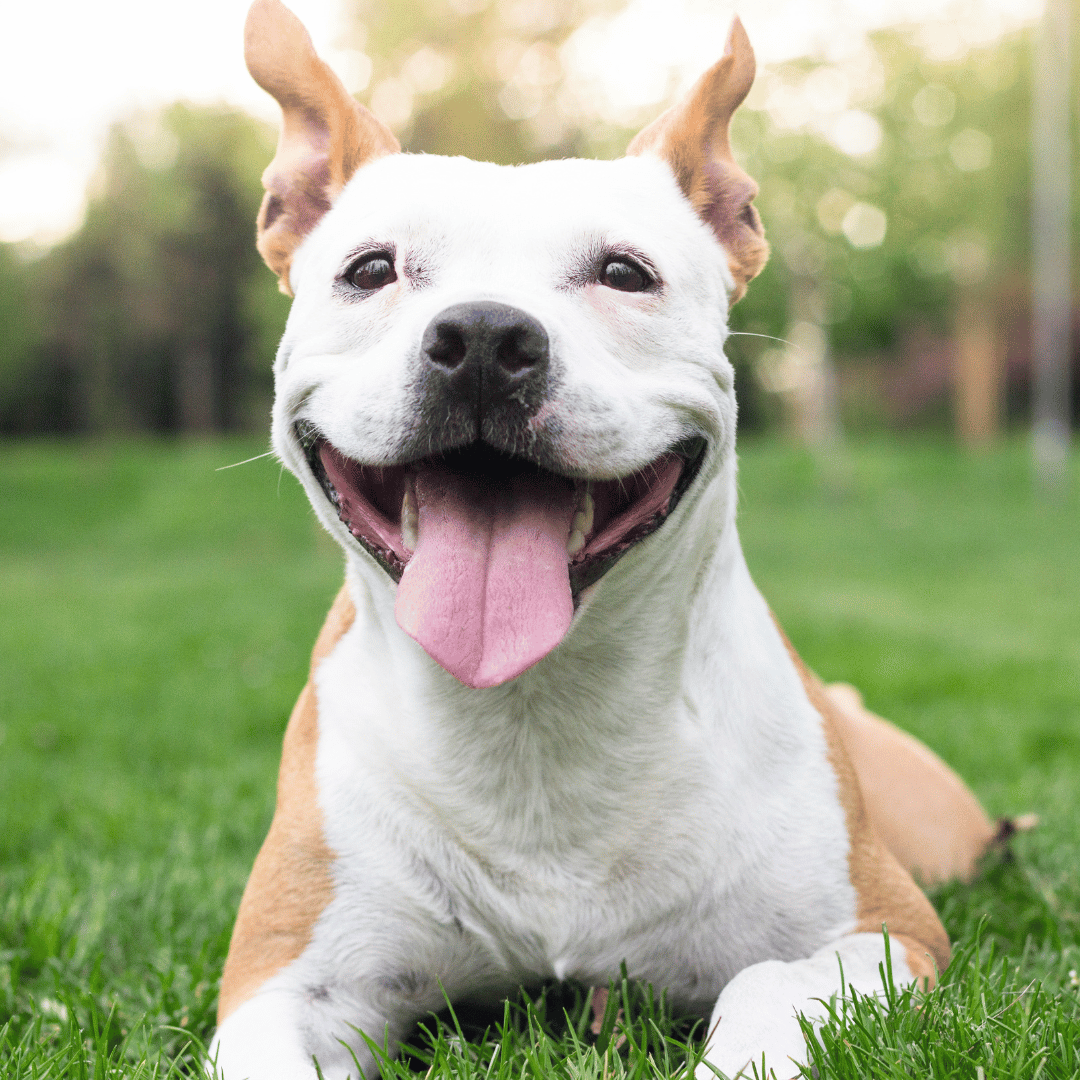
[491,550]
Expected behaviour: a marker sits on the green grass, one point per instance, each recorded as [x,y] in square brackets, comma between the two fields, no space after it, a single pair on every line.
[157,621]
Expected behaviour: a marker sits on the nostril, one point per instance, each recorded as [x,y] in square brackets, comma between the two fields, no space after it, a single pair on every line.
[448,347]
[518,351]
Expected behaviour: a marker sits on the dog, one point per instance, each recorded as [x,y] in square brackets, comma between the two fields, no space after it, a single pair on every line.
[551,726]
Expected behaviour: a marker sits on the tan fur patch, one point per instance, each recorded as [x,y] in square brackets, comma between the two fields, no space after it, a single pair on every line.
[886,894]
[920,808]
[692,137]
[291,880]
[921,963]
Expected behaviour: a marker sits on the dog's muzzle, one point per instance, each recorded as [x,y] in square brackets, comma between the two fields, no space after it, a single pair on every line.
[489,545]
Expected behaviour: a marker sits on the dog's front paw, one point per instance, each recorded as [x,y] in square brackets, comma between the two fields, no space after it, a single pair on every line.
[754,1031]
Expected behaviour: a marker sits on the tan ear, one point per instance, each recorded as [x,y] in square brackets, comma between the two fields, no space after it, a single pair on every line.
[692,137]
[326,135]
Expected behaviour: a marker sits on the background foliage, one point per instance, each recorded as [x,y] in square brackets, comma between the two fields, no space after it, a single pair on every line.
[891,182]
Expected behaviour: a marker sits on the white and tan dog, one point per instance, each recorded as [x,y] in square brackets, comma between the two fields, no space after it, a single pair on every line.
[551,724]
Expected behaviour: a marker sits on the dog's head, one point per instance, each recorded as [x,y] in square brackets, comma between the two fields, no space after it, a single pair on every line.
[496,380]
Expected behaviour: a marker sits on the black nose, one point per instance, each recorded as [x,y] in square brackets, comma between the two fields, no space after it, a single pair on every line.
[485,352]
[484,373]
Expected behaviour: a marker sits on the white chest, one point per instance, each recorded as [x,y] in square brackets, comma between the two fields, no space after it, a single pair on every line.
[552,835]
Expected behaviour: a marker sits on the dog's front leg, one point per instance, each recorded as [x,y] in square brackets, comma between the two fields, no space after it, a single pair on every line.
[757,1013]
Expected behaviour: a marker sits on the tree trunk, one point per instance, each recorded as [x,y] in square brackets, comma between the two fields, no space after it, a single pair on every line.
[977,376]
[196,390]
[1051,255]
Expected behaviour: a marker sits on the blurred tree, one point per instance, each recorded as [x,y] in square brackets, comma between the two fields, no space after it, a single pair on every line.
[27,401]
[481,78]
[895,190]
[158,314]
[1052,129]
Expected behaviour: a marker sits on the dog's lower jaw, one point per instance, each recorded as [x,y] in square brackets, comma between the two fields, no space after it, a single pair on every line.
[491,552]
[642,603]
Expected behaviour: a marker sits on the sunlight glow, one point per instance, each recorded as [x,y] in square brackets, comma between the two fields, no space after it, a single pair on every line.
[68,69]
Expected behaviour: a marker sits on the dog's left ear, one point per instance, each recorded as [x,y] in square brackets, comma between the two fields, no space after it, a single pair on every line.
[692,137]
[326,135]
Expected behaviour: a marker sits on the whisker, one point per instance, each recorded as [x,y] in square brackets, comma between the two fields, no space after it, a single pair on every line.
[257,457]
[768,337]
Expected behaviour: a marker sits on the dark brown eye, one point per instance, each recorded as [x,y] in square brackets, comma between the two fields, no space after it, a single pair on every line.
[372,271]
[624,275]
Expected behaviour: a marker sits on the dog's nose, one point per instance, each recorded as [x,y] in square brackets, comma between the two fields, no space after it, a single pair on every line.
[484,374]
[487,351]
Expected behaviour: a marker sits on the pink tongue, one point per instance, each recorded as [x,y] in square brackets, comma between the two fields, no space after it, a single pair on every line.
[487,592]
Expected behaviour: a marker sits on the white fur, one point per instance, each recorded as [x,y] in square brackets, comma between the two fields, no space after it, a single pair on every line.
[756,1018]
[656,790]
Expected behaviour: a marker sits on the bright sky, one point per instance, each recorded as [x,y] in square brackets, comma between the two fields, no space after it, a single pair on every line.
[68,68]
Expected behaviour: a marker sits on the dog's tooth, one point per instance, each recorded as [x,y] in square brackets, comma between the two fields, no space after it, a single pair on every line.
[575,543]
[410,516]
[588,512]
[583,520]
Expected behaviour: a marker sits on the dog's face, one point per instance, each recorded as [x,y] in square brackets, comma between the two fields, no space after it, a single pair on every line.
[496,380]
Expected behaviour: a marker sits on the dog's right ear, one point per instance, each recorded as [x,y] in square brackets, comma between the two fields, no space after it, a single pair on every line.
[326,135]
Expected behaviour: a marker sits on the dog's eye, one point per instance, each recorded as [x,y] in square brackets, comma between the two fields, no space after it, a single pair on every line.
[624,275]
[372,271]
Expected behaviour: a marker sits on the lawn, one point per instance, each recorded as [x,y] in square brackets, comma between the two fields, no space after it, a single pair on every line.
[158,614]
